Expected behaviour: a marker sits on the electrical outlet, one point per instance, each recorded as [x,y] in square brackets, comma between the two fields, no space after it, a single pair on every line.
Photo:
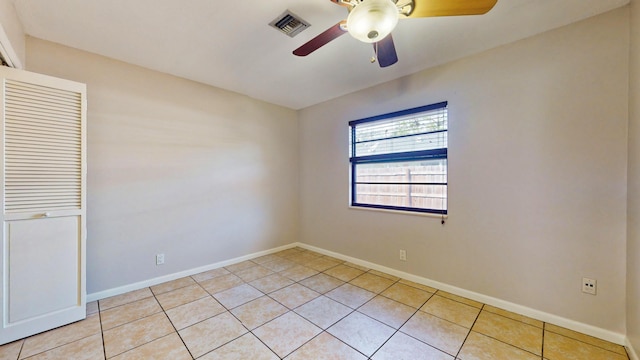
[589,286]
[159,259]
[403,255]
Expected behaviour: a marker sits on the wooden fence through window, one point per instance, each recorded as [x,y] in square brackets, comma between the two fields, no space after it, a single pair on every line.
[403,192]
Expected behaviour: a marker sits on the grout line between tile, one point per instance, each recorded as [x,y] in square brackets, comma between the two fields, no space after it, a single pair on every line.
[544,330]
[104,348]
[469,332]
[61,345]
[267,346]
[491,337]
[228,342]
[511,345]
[396,330]
[508,318]
[309,320]
[168,291]
[132,321]
[174,327]
[418,310]
[305,343]
[495,313]
[21,348]
[337,338]
[584,342]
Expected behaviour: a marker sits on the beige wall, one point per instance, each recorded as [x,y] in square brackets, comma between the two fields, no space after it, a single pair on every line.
[10,25]
[633,214]
[537,173]
[176,167]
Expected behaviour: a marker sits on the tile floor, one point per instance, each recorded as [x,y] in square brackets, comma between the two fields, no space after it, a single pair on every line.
[298,304]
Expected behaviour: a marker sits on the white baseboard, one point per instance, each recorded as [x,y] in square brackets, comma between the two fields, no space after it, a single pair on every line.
[630,350]
[159,280]
[519,309]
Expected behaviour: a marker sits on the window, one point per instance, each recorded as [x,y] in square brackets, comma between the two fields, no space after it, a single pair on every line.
[399,160]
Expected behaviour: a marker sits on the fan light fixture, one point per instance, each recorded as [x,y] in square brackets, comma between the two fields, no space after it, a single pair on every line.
[372,20]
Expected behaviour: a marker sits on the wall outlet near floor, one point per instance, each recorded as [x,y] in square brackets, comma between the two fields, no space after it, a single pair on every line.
[403,255]
[159,259]
[589,286]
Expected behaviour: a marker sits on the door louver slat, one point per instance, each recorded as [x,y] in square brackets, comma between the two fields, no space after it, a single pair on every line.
[36,129]
[42,148]
[34,153]
[15,145]
[54,101]
[35,117]
[30,107]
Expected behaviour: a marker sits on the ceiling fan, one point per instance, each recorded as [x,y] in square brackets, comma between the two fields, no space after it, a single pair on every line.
[371,21]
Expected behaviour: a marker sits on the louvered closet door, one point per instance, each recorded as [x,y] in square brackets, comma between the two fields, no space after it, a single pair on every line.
[44,167]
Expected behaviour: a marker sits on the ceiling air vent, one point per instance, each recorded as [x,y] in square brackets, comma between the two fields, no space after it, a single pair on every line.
[289,23]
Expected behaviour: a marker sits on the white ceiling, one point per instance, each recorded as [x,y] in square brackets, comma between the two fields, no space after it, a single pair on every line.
[228,44]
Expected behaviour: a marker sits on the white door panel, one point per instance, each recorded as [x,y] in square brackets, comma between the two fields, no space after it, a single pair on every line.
[43,259]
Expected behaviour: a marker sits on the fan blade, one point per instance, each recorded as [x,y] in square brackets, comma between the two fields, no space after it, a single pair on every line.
[386,51]
[338,2]
[427,8]
[317,42]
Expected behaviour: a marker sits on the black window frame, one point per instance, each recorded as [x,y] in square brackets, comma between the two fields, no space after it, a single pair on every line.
[433,154]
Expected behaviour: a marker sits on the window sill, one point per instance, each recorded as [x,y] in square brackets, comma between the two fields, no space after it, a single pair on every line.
[402,212]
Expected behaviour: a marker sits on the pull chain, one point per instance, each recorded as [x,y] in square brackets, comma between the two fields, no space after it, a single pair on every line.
[375,53]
